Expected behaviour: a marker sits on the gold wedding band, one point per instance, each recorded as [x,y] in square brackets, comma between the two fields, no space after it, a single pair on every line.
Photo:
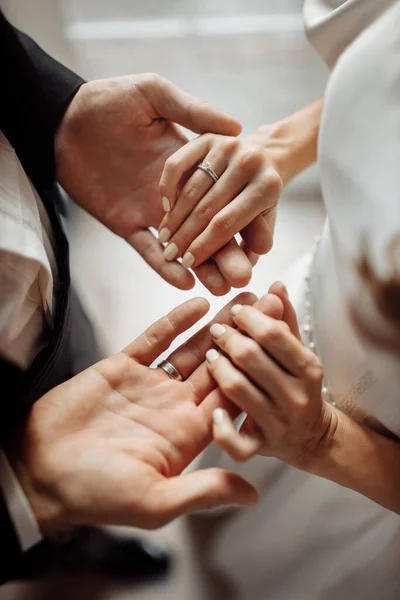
[170,370]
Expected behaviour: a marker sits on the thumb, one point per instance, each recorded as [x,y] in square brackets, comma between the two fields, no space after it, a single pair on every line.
[202,490]
[172,103]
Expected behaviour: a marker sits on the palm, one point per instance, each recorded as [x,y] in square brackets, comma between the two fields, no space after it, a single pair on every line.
[112,160]
[146,427]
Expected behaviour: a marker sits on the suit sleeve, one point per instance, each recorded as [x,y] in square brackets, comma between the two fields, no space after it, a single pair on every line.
[36,90]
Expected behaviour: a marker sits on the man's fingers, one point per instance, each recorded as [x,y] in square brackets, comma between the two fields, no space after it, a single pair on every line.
[159,336]
[178,106]
[202,490]
[257,234]
[191,354]
[151,251]
[210,276]
[234,264]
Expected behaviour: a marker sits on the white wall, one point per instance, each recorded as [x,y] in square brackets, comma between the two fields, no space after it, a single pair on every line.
[43,21]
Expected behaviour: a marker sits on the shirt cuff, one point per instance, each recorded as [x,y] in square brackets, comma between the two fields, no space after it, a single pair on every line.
[19,509]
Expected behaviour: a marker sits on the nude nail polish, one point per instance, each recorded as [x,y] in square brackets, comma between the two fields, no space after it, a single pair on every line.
[164,235]
[236,308]
[165,203]
[217,330]
[171,252]
[212,355]
[188,260]
[219,416]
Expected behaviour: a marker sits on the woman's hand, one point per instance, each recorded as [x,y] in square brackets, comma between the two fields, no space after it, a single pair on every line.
[203,216]
[269,374]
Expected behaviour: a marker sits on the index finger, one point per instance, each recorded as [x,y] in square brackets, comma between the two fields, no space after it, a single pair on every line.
[192,353]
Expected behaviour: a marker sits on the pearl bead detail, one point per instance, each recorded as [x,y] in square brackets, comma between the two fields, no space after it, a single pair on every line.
[307,327]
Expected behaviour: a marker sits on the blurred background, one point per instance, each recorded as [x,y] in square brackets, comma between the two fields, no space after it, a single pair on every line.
[248,57]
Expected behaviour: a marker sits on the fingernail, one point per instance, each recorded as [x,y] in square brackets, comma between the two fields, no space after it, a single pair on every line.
[171,252]
[165,204]
[164,235]
[236,308]
[187,260]
[217,330]
[212,355]
[284,288]
[219,416]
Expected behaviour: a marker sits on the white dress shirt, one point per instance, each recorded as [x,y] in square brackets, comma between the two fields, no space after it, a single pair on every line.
[27,276]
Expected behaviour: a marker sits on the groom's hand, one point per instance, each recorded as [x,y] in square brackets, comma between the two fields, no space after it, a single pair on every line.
[109,445]
[111,148]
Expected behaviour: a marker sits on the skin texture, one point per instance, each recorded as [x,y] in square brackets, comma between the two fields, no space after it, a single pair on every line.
[204,216]
[269,374]
[111,148]
[109,445]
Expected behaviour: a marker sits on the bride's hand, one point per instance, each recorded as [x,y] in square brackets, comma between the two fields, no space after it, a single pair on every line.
[203,216]
[269,374]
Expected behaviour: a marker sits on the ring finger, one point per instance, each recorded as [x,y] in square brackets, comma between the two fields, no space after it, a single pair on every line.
[193,190]
[201,212]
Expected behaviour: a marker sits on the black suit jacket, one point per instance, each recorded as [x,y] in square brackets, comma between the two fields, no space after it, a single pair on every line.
[35,92]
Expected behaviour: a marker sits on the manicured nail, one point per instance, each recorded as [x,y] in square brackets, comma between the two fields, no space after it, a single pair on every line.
[212,355]
[236,308]
[219,416]
[165,204]
[171,252]
[164,235]
[217,330]
[187,260]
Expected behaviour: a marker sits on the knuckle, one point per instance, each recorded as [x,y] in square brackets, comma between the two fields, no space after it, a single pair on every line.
[274,183]
[150,79]
[222,223]
[204,212]
[250,159]
[233,387]
[274,332]
[245,352]
[315,373]
[171,164]
[231,144]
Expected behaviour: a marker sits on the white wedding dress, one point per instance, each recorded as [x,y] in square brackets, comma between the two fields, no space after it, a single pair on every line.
[308,538]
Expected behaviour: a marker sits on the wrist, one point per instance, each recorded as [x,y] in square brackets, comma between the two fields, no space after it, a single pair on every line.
[40,494]
[322,458]
[291,144]
[279,147]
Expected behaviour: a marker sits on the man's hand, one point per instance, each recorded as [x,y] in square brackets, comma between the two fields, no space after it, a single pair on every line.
[109,445]
[111,148]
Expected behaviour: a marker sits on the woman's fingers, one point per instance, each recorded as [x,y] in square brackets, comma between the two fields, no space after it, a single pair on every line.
[226,223]
[250,358]
[277,340]
[185,160]
[239,446]
[189,357]
[159,336]
[237,387]
[289,314]
[195,210]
